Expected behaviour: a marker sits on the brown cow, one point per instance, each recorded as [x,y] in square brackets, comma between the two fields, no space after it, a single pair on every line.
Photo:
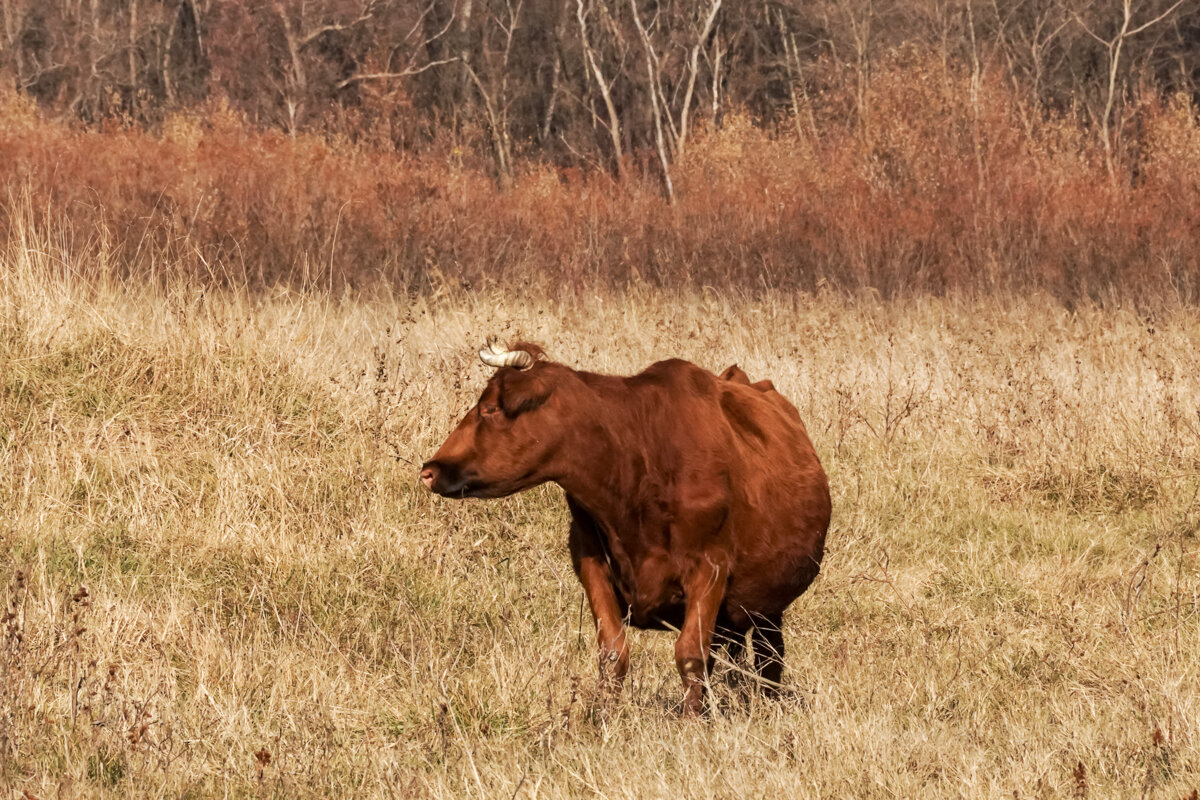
[697,501]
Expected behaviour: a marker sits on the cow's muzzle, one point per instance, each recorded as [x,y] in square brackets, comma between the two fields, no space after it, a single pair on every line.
[428,476]
[447,479]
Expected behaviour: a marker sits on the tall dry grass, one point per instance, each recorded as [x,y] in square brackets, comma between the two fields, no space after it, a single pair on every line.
[221,578]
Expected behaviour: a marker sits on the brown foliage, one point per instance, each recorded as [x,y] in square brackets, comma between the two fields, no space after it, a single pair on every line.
[953,185]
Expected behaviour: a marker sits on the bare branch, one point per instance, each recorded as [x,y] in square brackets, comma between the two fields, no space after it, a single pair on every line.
[652,73]
[1156,20]
[1090,32]
[404,73]
[614,121]
[693,69]
[367,15]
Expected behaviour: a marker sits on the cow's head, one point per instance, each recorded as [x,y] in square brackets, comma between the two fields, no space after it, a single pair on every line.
[506,442]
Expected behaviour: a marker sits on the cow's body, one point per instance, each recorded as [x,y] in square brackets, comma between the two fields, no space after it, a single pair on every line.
[697,501]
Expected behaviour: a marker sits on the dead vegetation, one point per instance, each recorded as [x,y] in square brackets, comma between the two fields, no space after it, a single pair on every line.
[219,574]
[954,187]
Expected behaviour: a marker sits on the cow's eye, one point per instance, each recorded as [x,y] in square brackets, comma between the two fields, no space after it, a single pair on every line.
[489,410]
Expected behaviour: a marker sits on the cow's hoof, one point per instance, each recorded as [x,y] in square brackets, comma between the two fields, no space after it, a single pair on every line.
[693,702]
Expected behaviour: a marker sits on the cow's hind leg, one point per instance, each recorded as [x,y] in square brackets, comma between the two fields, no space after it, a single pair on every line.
[704,591]
[766,638]
[733,641]
[737,659]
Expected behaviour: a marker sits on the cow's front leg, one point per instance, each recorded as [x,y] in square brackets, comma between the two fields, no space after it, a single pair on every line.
[592,568]
[704,590]
[610,628]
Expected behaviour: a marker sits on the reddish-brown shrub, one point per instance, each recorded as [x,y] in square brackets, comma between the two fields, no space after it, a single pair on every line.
[950,185]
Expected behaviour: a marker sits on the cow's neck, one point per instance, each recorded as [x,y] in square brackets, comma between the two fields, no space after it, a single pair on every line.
[604,466]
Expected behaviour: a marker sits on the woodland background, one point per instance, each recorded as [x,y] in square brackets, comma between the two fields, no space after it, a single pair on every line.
[899,145]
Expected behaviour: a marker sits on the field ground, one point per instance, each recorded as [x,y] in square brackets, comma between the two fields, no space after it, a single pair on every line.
[272,607]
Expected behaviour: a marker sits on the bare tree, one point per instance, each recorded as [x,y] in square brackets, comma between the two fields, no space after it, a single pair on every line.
[404,57]
[658,102]
[671,134]
[1023,34]
[603,84]
[797,85]
[693,67]
[300,34]
[495,92]
[583,81]
[1113,47]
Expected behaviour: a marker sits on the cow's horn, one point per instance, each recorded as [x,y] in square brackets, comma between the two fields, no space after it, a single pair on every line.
[496,356]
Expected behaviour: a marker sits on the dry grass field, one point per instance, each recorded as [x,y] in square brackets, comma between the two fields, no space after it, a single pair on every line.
[220,577]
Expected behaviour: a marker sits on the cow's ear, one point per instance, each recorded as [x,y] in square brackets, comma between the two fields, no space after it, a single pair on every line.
[736,374]
[523,390]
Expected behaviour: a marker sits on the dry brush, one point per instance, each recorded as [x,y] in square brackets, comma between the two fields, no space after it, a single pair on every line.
[219,574]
